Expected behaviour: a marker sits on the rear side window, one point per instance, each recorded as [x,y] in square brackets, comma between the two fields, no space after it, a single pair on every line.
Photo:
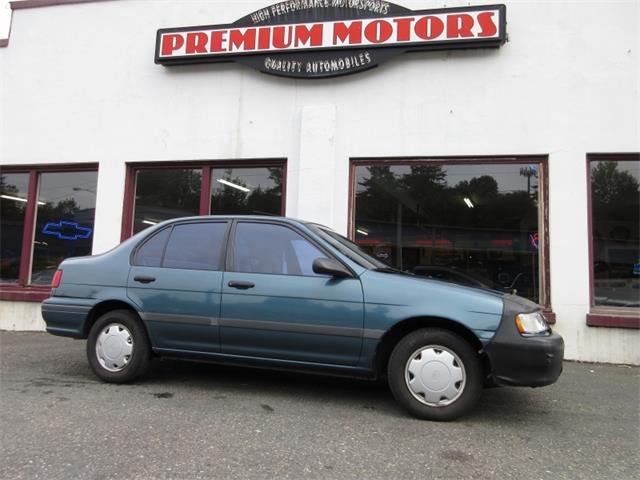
[274,249]
[150,254]
[195,246]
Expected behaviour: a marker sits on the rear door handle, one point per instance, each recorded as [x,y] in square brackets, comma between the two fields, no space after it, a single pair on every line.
[144,279]
[241,285]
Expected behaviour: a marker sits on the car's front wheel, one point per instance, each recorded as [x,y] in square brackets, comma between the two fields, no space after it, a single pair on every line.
[435,374]
[118,347]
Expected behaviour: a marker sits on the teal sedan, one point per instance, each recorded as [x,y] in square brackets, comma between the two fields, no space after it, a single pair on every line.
[288,294]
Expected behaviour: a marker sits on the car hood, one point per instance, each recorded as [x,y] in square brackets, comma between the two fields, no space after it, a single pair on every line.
[407,296]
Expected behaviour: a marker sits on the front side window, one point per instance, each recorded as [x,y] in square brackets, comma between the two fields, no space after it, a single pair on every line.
[56,210]
[273,249]
[467,223]
[615,211]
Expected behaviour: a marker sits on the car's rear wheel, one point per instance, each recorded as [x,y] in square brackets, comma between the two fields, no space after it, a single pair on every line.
[435,374]
[118,348]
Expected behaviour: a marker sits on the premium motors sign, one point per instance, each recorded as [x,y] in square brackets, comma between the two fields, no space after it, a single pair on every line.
[326,38]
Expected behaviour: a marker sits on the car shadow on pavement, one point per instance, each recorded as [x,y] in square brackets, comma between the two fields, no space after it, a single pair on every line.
[497,405]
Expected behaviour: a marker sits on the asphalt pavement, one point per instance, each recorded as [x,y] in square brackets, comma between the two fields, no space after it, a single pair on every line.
[191,420]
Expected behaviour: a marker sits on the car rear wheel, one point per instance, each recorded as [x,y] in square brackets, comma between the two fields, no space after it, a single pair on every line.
[118,347]
[435,374]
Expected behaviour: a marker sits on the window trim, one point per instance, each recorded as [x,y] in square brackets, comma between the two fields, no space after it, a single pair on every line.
[21,290]
[599,315]
[207,167]
[543,204]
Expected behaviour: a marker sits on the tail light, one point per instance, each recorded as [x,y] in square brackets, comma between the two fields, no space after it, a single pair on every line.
[57,277]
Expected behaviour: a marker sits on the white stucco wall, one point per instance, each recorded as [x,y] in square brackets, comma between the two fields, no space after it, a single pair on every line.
[21,316]
[79,85]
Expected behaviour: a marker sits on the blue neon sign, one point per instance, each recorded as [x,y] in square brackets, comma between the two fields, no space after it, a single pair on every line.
[66,230]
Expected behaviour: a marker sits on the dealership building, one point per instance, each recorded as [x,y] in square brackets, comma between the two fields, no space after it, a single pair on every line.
[494,145]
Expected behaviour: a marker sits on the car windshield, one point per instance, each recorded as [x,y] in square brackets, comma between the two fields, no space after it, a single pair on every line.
[349,249]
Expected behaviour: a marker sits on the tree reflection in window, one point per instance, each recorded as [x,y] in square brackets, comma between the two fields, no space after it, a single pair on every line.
[166,193]
[615,201]
[471,224]
[13,205]
[247,191]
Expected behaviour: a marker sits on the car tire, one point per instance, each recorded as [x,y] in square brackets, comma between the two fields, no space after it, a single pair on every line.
[118,347]
[435,374]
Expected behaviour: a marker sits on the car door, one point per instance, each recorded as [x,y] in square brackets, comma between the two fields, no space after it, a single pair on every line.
[176,280]
[275,306]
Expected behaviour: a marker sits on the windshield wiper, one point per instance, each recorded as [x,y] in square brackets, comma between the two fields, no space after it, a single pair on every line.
[390,270]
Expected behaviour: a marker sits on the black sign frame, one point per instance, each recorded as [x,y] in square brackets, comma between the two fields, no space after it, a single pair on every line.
[360,58]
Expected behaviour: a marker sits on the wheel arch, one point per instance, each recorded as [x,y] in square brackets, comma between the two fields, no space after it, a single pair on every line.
[107,306]
[404,327]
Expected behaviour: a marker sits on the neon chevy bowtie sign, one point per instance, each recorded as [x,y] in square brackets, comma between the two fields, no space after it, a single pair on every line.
[328,38]
[65,230]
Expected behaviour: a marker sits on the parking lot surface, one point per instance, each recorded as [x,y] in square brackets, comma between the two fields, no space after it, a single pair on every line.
[191,420]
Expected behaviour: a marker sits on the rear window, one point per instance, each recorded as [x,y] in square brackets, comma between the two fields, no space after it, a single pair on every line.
[195,246]
[150,254]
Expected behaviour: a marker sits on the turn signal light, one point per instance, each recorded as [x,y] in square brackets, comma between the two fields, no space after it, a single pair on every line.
[57,277]
[532,323]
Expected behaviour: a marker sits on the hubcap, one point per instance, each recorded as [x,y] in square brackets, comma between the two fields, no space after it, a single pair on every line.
[435,376]
[114,347]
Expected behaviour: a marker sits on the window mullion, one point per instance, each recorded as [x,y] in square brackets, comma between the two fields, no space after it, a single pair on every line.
[205,191]
[29,229]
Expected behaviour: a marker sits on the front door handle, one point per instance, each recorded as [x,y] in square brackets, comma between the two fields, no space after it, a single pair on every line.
[241,285]
[144,279]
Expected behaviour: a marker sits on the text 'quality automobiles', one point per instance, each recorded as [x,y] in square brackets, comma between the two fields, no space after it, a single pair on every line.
[284,293]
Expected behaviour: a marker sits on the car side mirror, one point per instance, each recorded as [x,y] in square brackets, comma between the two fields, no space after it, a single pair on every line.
[328,266]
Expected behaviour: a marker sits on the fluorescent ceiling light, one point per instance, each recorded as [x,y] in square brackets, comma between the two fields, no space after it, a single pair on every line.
[361,231]
[468,202]
[18,199]
[233,185]
[149,222]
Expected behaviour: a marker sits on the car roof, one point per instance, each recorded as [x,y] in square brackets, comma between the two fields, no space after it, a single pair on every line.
[236,217]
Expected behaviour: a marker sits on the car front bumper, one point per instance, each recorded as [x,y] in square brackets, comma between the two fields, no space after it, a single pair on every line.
[534,362]
[518,360]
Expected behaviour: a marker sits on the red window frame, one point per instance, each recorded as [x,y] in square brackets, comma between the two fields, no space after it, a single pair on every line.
[22,291]
[601,316]
[541,160]
[207,167]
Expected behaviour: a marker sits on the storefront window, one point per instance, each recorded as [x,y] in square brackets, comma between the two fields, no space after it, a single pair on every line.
[13,206]
[166,193]
[64,221]
[473,224]
[615,210]
[250,191]
[60,220]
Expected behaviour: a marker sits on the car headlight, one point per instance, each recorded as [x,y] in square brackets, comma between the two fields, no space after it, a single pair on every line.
[532,323]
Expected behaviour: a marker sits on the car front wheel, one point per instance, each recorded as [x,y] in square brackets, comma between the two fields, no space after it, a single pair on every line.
[435,374]
[118,348]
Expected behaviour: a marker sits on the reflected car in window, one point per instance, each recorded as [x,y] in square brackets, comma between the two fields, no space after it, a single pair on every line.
[283,293]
